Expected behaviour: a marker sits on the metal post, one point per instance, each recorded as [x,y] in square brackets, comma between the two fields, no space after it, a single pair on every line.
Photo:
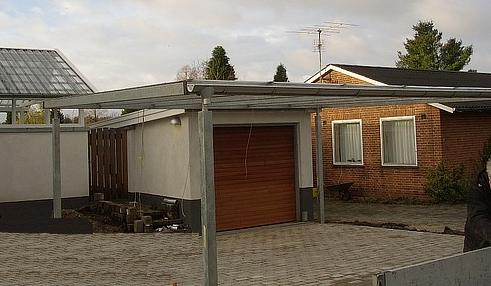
[56,165]
[14,112]
[319,164]
[208,223]
[81,117]
[21,116]
[46,116]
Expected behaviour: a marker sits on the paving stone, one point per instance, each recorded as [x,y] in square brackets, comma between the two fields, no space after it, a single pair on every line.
[338,254]
[433,218]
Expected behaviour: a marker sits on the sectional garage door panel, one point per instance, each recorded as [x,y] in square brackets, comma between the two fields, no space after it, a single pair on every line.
[254,176]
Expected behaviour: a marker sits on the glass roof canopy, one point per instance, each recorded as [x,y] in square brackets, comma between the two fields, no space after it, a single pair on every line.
[31,74]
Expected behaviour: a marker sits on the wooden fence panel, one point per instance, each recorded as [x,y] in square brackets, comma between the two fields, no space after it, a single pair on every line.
[106,153]
[100,161]
[108,163]
[124,165]
[119,160]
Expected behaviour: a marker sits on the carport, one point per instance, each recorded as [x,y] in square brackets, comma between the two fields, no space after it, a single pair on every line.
[207,96]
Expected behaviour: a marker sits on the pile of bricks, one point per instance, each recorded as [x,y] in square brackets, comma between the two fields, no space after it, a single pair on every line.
[132,216]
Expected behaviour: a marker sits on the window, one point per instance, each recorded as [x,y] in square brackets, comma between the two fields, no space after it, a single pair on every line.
[398,138]
[347,142]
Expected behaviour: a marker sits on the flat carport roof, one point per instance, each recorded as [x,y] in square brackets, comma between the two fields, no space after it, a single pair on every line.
[241,95]
[264,95]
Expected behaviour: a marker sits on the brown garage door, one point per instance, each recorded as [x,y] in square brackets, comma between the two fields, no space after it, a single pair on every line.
[259,189]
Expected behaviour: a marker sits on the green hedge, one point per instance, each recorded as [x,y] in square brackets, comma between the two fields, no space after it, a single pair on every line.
[447,184]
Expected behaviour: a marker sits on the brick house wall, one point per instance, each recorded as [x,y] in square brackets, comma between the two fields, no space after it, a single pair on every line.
[464,136]
[372,179]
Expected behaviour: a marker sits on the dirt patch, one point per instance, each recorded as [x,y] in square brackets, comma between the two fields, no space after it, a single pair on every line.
[448,230]
[390,225]
[100,224]
[399,226]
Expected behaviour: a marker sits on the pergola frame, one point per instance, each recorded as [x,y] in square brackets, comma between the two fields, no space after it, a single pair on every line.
[207,96]
[15,105]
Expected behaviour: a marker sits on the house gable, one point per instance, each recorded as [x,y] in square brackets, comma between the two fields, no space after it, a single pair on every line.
[335,74]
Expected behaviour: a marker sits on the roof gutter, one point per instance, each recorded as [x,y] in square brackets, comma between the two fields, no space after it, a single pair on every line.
[443,107]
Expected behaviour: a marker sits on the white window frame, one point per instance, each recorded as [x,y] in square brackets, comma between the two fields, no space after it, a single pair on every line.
[359,121]
[398,118]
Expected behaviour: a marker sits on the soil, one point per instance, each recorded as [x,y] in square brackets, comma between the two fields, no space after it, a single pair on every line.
[100,224]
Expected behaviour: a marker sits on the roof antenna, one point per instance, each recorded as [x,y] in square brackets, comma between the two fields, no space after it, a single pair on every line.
[325,30]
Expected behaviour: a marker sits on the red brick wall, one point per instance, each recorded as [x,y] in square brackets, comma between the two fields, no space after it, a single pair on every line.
[464,135]
[337,77]
[372,179]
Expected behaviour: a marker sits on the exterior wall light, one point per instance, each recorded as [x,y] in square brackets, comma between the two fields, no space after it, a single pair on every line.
[175,121]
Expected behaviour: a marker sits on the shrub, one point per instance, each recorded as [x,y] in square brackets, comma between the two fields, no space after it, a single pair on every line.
[447,184]
[485,153]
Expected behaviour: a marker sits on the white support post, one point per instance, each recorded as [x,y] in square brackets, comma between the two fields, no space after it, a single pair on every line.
[320,164]
[21,116]
[81,117]
[14,112]
[46,116]
[56,165]
[208,221]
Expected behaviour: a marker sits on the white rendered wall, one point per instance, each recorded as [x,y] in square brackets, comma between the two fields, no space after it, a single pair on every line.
[26,164]
[171,154]
[161,166]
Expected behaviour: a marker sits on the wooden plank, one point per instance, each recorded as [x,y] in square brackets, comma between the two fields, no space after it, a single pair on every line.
[119,168]
[93,162]
[100,161]
[91,173]
[124,162]
[107,165]
[112,163]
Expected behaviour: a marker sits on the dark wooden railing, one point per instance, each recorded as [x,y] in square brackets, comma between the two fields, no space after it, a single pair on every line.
[108,162]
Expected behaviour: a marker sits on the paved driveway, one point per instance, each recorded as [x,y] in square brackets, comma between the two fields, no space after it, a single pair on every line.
[289,254]
[432,218]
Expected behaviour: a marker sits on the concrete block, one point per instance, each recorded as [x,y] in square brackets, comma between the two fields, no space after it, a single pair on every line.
[138,226]
[130,227]
[148,228]
[147,220]
[98,197]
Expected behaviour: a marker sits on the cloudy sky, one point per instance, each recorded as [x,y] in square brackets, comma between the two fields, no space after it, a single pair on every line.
[132,42]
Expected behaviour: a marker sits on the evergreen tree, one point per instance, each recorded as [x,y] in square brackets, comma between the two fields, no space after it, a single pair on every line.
[454,56]
[426,51]
[61,116]
[8,120]
[280,75]
[218,66]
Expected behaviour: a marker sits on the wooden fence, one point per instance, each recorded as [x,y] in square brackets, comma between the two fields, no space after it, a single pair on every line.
[108,163]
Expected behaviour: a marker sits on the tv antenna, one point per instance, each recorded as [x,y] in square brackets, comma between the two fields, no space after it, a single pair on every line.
[326,29]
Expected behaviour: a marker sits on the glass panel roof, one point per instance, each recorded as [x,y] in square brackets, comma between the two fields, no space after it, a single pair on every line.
[42,73]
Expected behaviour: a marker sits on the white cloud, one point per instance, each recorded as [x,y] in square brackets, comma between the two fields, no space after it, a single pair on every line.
[66,7]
